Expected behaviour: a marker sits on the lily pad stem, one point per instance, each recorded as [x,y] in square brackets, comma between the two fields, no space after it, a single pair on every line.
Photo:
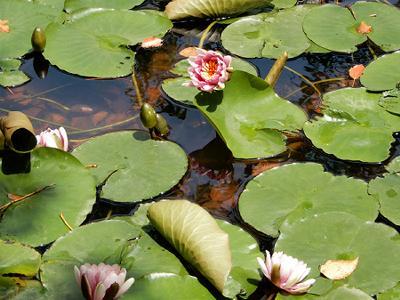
[65,222]
[315,83]
[276,70]
[136,86]
[304,78]
[205,33]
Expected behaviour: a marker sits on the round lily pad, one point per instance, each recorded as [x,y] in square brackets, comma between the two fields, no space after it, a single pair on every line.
[174,88]
[394,165]
[71,5]
[387,192]
[9,73]
[251,126]
[341,292]
[58,183]
[392,294]
[354,126]
[384,21]
[109,242]
[268,34]
[133,166]
[95,43]
[333,235]
[383,73]
[22,16]
[267,201]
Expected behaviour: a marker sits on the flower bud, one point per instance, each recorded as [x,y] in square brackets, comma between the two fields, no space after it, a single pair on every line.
[162,125]
[56,138]
[148,116]
[38,39]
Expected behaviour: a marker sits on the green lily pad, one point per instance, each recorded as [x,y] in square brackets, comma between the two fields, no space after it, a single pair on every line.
[384,20]
[382,74]
[70,190]
[72,5]
[10,75]
[174,88]
[109,242]
[167,286]
[22,16]
[283,3]
[311,191]
[180,9]
[251,126]
[133,166]
[99,38]
[392,294]
[342,292]
[354,126]
[333,235]
[262,35]
[245,251]
[390,101]
[333,27]
[387,192]
[194,233]
[394,165]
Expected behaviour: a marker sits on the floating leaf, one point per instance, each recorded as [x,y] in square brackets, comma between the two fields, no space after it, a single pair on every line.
[72,5]
[22,16]
[337,269]
[180,9]
[390,101]
[334,27]
[174,86]
[387,192]
[105,32]
[283,3]
[392,294]
[194,233]
[356,71]
[394,165]
[354,126]
[267,201]
[333,235]
[339,293]
[382,74]
[261,35]
[251,127]
[133,166]
[10,75]
[70,190]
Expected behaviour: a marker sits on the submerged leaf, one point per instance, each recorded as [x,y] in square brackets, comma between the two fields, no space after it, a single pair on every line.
[195,234]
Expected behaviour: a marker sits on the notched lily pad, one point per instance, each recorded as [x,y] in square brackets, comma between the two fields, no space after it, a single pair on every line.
[133,166]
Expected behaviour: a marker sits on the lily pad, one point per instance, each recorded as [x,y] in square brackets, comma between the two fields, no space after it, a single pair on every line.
[72,5]
[335,27]
[22,16]
[100,38]
[284,3]
[251,126]
[194,233]
[109,242]
[382,74]
[390,101]
[342,292]
[354,126]
[392,294]
[60,184]
[267,201]
[133,166]
[387,192]
[394,165]
[174,88]
[261,35]
[180,9]
[10,75]
[317,238]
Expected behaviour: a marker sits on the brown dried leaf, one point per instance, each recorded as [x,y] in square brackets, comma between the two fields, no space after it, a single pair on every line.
[4,27]
[338,269]
[152,42]
[189,51]
[364,28]
[356,71]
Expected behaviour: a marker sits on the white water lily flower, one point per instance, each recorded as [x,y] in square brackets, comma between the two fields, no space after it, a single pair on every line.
[56,138]
[286,272]
[98,282]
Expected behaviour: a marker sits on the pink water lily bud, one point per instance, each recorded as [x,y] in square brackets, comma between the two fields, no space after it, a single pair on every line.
[209,70]
[102,281]
[286,272]
[56,138]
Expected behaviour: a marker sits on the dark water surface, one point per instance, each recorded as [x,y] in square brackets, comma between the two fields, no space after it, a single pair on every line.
[90,107]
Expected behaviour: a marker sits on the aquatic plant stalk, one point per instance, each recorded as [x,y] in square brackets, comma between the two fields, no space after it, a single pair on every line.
[304,78]
[205,33]
[65,222]
[136,86]
[276,70]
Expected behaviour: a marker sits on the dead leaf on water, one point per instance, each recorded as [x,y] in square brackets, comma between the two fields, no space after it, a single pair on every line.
[364,28]
[4,27]
[338,269]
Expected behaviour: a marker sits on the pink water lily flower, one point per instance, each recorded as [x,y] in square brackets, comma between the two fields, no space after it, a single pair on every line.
[286,272]
[56,138]
[102,281]
[209,70]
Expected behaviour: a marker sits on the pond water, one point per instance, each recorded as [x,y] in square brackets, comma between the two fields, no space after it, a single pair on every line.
[88,107]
